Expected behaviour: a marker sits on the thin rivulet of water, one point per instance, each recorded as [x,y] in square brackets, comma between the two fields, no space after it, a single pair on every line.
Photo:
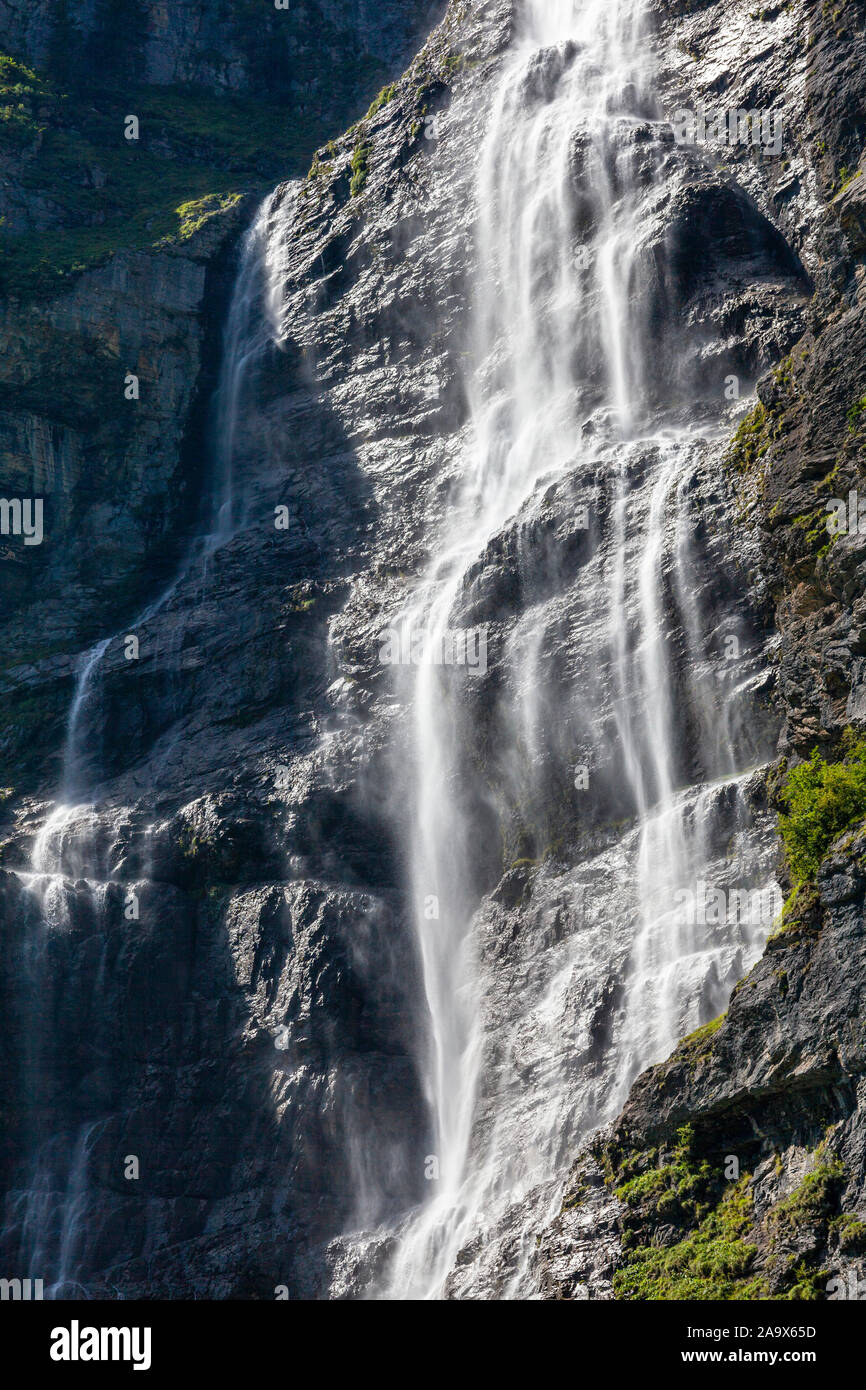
[49,1211]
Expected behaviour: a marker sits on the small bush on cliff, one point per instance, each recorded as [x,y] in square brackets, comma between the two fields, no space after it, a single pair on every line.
[822,800]
[22,95]
[360,170]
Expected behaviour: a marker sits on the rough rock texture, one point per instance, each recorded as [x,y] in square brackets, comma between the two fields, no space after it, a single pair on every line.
[779,1085]
[297,52]
[259,1015]
[118,477]
[805,61]
[120,258]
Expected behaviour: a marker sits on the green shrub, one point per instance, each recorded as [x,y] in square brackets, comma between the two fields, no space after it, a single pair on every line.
[385,97]
[751,439]
[360,171]
[855,412]
[823,800]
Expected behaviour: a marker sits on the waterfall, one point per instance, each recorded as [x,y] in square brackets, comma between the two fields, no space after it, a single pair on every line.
[249,329]
[606,683]
[560,339]
[50,1211]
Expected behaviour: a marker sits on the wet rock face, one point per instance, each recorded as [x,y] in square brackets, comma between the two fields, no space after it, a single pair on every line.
[227,1050]
[254,1013]
[108,373]
[791,1037]
[778,1085]
[276,885]
[116,480]
[810,71]
[772,1098]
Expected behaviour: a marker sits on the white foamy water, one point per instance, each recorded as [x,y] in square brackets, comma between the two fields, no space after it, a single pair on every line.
[558,334]
[51,1211]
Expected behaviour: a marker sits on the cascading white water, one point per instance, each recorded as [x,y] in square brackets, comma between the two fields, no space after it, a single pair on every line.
[54,1202]
[249,328]
[558,335]
[671,956]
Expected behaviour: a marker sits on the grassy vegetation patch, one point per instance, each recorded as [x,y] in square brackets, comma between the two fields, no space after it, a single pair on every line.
[799,909]
[689,1232]
[813,1201]
[822,800]
[715,1262]
[847,176]
[850,1233]
[703,1034]
[195,214]
[751,439]
[385,97]
[94,192]
[855,413]
[683,1186]
[360,168]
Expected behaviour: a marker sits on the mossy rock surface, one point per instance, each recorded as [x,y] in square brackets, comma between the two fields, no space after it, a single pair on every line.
[90,192]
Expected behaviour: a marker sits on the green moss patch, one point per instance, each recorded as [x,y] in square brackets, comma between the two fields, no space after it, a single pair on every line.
[855,413]
[195,214]
[850,1233]
[196,155]
[812,1202]
[385,97]
[690,1233]
[751,439]
[682,1187]
[702,1035]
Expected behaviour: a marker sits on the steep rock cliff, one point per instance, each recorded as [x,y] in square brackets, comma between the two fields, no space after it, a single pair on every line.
[292,52]
[762,1193]
[260,1015]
